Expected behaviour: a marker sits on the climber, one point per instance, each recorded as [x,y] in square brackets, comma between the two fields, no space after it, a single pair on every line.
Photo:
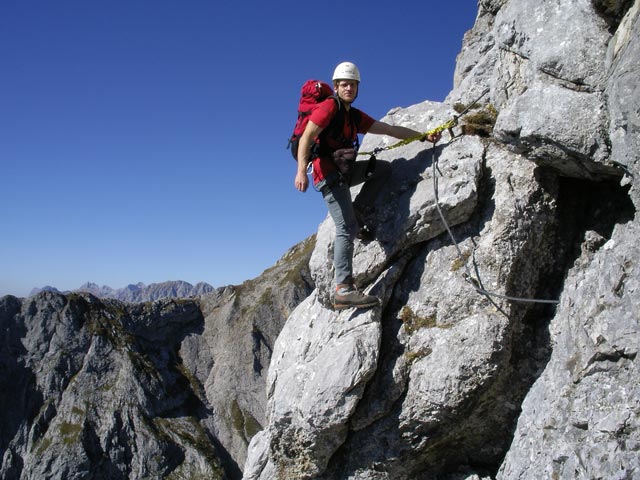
[350,217]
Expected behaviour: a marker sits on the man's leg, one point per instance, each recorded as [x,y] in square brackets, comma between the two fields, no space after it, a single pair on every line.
[338,199]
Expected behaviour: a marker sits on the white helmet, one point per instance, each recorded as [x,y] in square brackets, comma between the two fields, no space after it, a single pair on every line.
[346,71]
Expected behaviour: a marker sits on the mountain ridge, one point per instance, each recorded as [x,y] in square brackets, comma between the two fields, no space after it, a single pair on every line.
[138,292]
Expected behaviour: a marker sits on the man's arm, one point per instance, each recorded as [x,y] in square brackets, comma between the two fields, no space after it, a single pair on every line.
[311,132]
[382,128]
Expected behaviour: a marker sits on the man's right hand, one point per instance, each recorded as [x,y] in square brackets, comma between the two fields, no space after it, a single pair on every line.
[310,133]
[302,181]
[433,137]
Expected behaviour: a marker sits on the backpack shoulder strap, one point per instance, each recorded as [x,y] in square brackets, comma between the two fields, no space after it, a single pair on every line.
[333,136]
[338,118]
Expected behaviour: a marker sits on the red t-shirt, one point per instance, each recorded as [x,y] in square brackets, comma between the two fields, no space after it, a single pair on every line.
[355,122]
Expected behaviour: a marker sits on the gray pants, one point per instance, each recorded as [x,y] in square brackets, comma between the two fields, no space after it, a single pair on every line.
[337,195]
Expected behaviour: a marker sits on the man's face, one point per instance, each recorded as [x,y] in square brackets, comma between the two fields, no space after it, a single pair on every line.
[347,90]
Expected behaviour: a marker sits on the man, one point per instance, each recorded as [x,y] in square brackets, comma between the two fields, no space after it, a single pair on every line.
[332,126]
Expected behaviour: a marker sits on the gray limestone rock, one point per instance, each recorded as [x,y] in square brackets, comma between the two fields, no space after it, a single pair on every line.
[472,342]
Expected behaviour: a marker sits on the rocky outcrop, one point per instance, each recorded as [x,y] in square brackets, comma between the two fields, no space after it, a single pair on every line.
[231,357]
[508,348]
[93,390]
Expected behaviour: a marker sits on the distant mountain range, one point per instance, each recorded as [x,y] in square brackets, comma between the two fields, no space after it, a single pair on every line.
[139,292]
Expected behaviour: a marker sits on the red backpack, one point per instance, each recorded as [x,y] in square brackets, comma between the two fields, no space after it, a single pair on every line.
[312,94]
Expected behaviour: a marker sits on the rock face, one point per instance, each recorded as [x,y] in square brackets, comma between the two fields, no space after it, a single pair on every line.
[507,262]
[507,350]
[90,390]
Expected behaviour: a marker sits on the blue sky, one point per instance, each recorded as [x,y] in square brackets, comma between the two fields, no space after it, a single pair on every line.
[144,140]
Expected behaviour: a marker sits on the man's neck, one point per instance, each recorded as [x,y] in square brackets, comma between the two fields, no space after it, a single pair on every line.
[346,105]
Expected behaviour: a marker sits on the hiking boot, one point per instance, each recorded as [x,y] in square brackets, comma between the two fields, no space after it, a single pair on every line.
[347,296]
